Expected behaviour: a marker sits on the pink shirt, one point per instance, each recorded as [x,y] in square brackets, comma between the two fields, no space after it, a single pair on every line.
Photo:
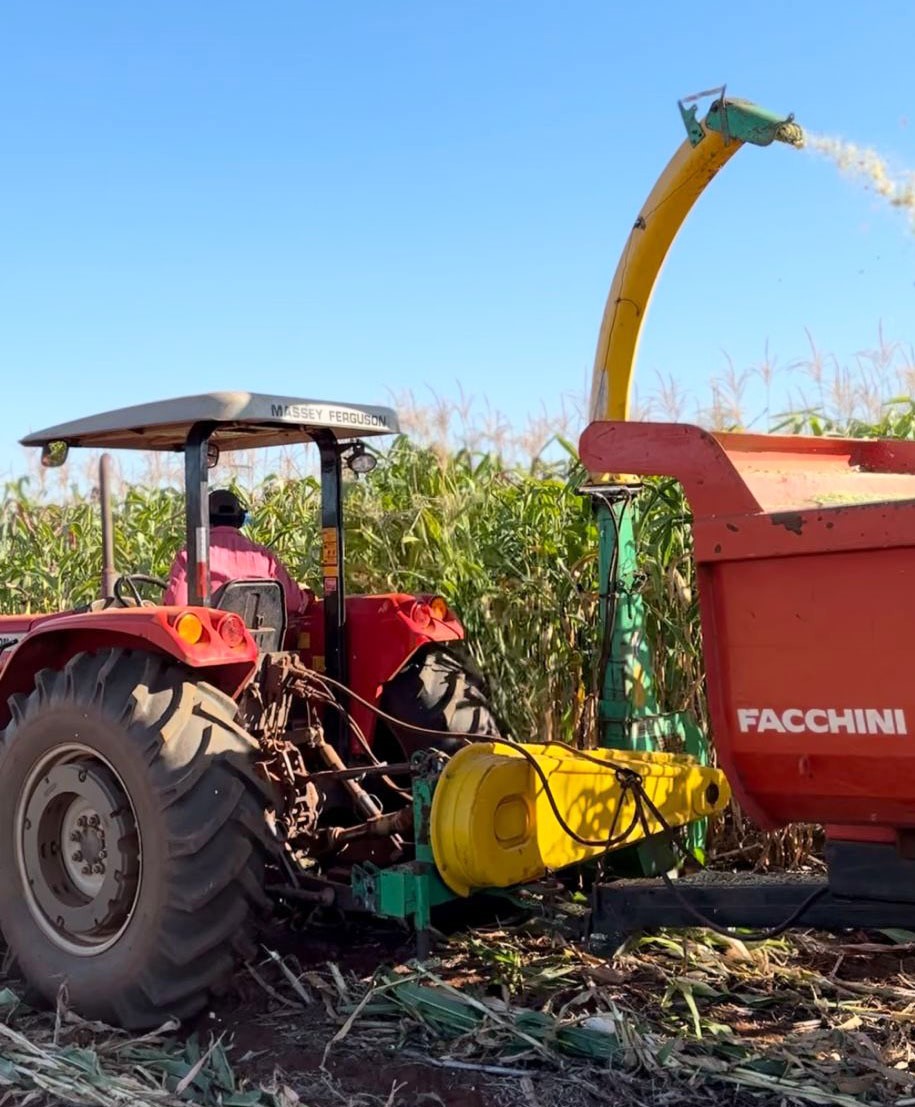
[233,556]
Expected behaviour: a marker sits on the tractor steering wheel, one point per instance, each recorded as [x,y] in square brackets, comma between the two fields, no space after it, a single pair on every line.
[131,580]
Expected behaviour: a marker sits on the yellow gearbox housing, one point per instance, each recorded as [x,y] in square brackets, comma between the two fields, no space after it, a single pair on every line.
[492,825]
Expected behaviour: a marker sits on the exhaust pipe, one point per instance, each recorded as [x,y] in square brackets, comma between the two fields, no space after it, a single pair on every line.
[109,573]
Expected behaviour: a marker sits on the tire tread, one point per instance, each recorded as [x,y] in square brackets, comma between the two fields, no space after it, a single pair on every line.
[218,843]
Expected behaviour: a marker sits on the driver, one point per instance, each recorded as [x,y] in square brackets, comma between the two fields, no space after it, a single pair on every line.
[234,556]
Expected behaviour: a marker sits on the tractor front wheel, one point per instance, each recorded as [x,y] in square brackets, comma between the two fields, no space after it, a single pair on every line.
[132,838]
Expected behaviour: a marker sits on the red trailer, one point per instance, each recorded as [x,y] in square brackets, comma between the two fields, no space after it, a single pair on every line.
[805,556]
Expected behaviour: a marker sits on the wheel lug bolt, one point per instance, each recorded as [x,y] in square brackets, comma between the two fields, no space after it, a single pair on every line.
[82,821]
[87,870]
[98,868]
[75,836]
[77,855]
[94,821]
[102,854]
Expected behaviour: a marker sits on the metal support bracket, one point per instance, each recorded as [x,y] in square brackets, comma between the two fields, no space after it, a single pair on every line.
[629,716]
[628,907]
[409,891]
[868,885]
[695,132]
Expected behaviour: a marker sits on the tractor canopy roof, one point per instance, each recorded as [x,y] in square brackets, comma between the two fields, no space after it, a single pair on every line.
[240,420]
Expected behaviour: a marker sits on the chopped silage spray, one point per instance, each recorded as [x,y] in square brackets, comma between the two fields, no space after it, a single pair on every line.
[863,162]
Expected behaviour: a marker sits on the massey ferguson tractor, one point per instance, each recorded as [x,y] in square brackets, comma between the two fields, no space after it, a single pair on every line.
[160,766]
[167,773]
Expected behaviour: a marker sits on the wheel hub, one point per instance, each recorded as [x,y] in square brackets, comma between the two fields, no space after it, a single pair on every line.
[79,850]
[85,858]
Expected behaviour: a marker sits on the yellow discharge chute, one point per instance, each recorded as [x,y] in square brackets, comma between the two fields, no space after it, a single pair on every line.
[710,144]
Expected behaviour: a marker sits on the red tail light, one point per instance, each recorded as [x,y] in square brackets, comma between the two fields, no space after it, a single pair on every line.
[232,630]
[422,614]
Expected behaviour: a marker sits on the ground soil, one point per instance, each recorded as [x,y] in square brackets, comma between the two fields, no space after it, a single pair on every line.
[290,1043]
[277,1041]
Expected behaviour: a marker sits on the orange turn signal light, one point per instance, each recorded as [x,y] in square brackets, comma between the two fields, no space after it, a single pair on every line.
[439,608]
[189,628]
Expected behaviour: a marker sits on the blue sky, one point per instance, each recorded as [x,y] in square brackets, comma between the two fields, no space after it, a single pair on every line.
[348,200]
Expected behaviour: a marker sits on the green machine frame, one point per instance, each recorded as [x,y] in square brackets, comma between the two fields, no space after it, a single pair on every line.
[629,715]
[411,890]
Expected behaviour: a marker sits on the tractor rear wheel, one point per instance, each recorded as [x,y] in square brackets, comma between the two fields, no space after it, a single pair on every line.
[442,691]
[133,839]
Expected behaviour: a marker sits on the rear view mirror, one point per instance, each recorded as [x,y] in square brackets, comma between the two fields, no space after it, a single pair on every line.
[212,455]
[54,454]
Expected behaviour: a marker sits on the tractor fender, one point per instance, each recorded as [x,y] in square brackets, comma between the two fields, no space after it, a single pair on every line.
[384,633]
[50,644]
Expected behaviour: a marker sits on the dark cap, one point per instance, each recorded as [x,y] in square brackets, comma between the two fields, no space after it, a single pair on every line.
[226,509]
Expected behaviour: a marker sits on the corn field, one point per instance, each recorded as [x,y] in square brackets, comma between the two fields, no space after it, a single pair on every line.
[513,550]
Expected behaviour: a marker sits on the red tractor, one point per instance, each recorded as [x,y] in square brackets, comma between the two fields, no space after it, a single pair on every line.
[163,768]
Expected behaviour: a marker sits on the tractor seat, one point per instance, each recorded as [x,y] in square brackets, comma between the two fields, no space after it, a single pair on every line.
[262,606]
